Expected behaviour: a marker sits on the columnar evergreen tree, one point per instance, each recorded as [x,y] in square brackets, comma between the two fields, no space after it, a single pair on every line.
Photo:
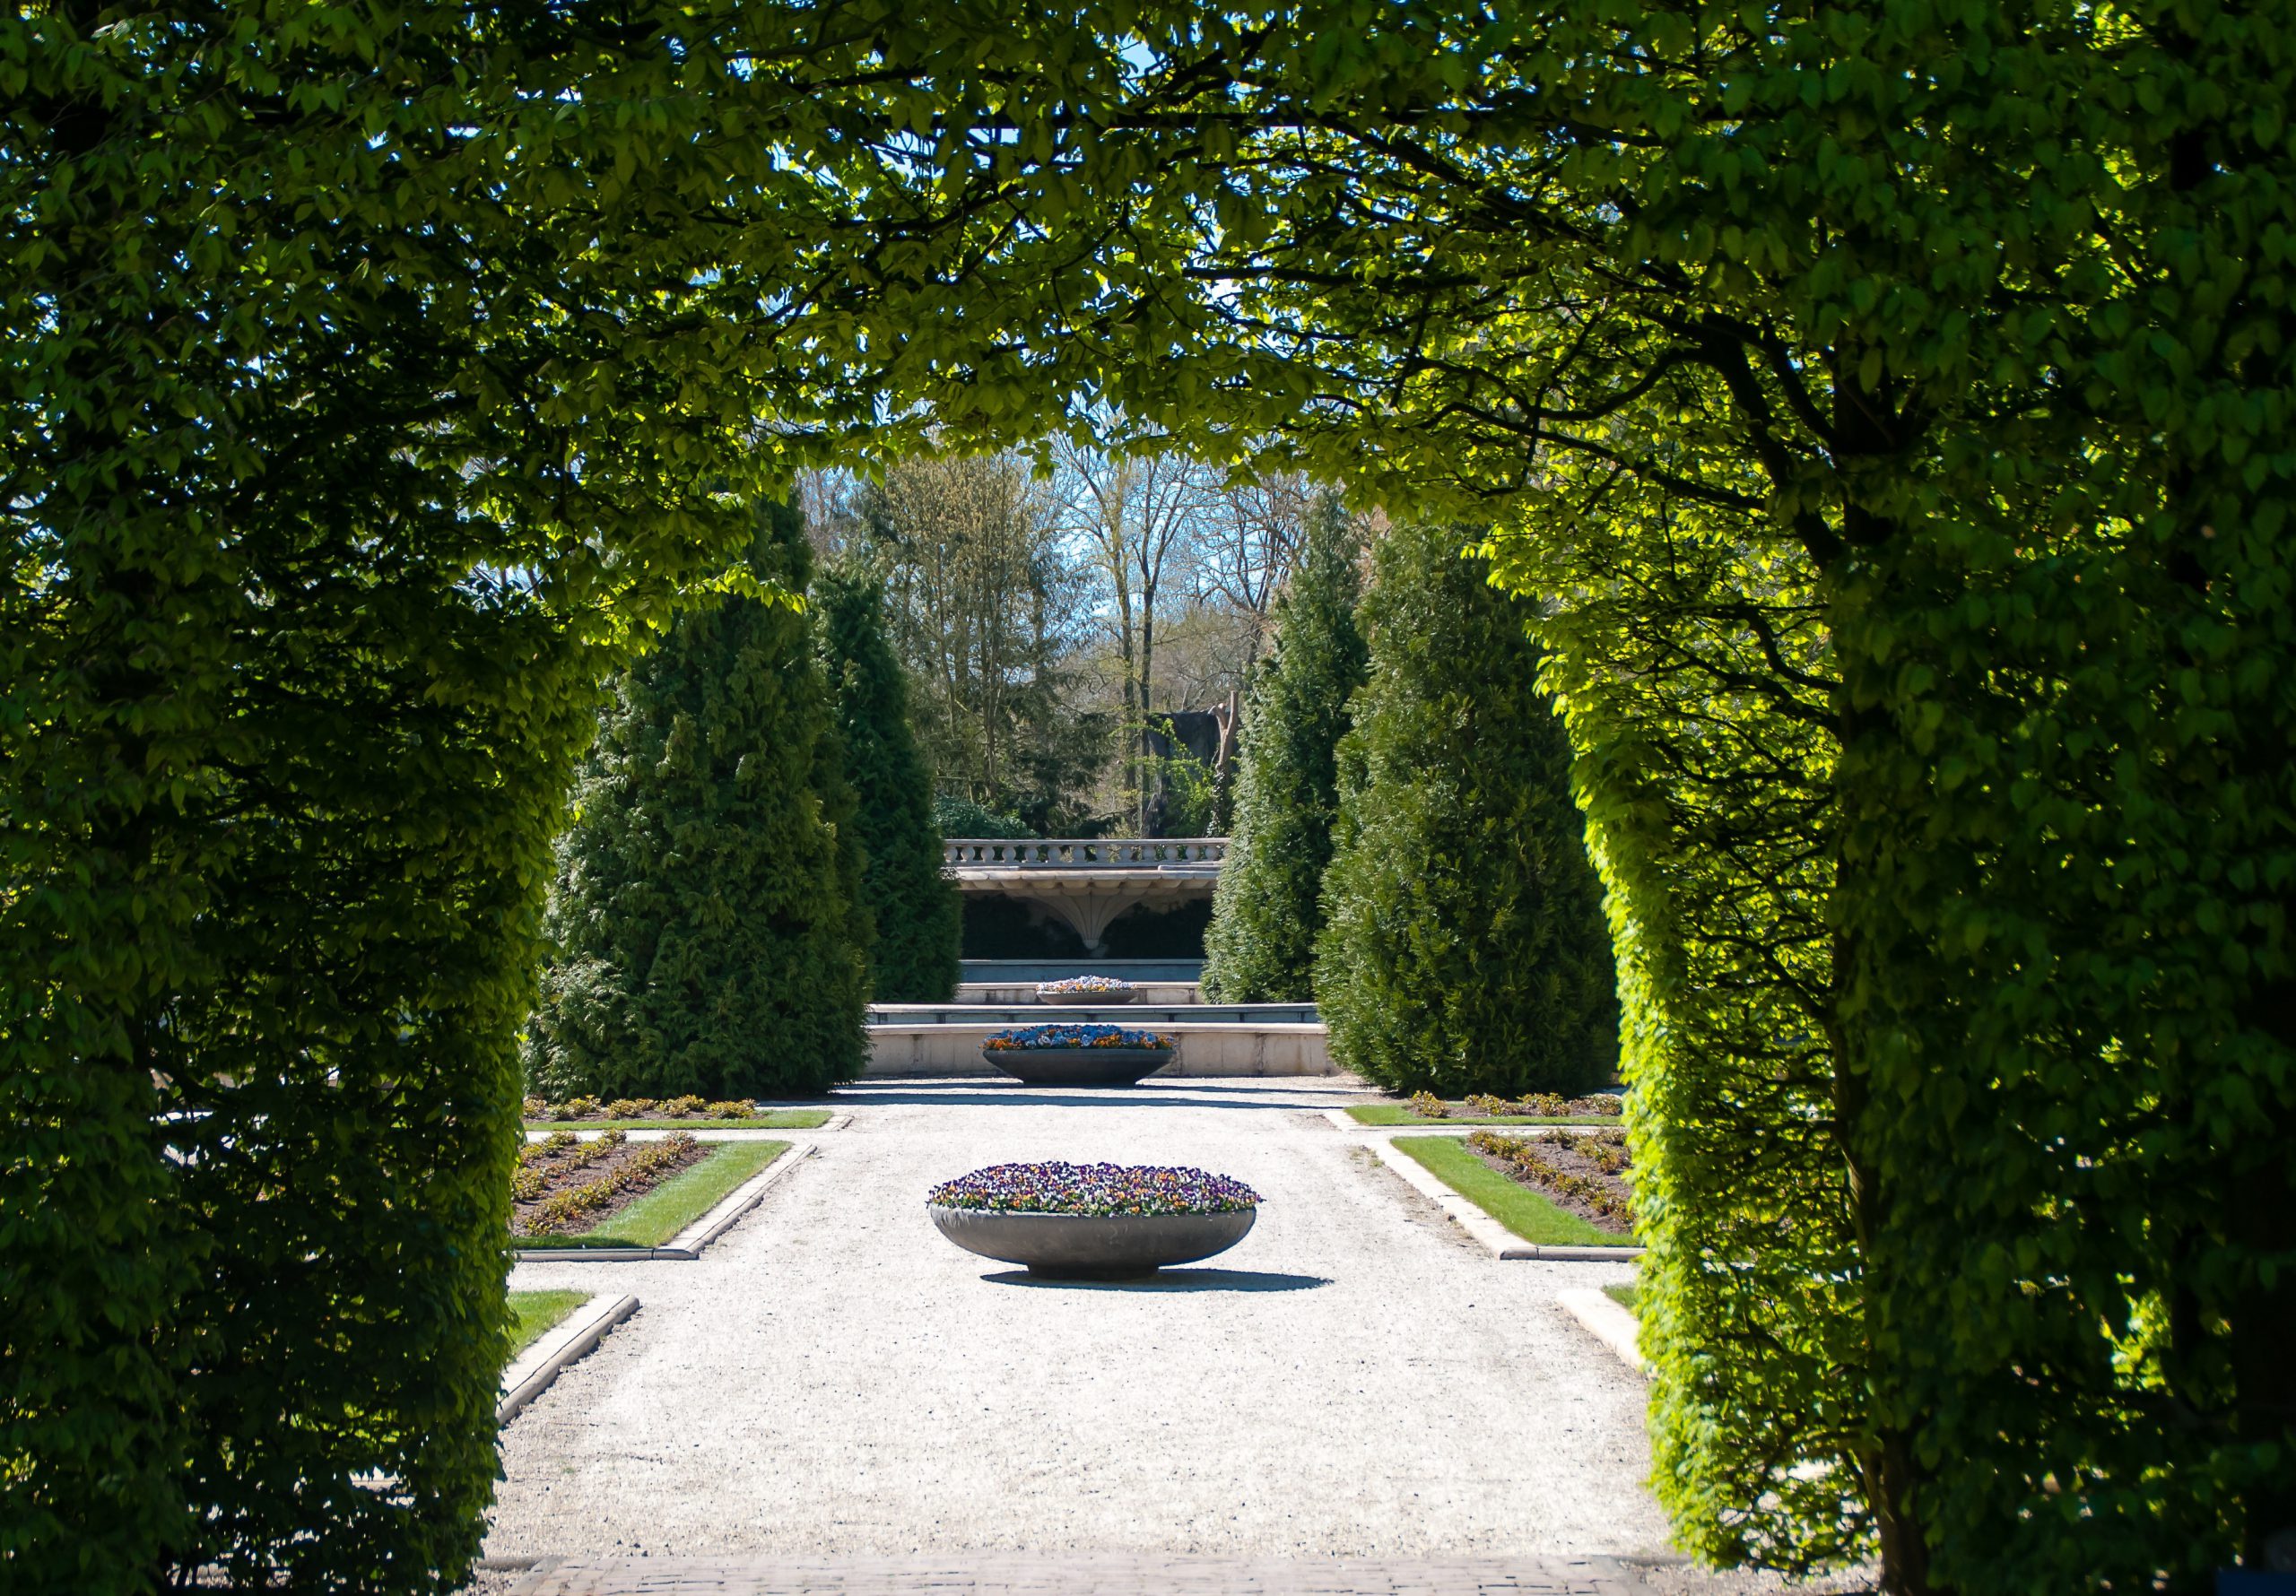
[1260,947]
[913,905]
[703,937]
[1464,949]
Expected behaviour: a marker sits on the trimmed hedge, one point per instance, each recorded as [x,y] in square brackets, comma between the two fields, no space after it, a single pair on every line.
[1268,905]
[912,904]
[1464,950]
[702,940]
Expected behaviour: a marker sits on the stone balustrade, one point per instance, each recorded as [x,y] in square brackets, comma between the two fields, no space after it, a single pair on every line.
[1115,853]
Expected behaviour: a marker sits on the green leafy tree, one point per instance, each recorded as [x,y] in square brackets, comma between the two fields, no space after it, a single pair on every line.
[342,464]
[1976,375]
[702,938]
[913,905]
[1260,947]
[1463,949]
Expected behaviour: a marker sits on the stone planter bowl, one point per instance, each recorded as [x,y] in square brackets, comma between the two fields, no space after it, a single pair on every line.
[1079,1066]
[1088,1246]
[1086,999]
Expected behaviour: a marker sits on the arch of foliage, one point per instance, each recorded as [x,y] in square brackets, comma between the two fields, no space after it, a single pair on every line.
[1928,365]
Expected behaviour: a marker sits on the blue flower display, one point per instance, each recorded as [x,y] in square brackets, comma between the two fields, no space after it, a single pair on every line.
[1074,1036]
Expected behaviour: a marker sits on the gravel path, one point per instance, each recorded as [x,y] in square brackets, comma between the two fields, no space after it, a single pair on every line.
[1355,1379]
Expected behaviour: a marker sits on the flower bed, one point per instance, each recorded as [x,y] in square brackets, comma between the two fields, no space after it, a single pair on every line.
[579,1109]
[1587,1173]
[1537,1105]
[1036,1038]
[1101,1191]
[1083,986]
[565,1184]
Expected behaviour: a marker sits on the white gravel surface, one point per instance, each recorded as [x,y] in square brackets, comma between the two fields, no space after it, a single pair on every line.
[1355,1378]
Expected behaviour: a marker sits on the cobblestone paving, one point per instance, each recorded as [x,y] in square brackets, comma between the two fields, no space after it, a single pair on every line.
[834,1381]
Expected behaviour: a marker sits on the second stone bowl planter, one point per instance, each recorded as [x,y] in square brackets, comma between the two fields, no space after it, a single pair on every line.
[1077,1055]
[1079,1066]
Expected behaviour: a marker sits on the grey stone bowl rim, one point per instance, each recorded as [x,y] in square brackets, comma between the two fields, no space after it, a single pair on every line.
[1185,1237]
[1086,999]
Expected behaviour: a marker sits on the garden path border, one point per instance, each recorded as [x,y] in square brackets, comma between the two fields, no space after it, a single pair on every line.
[1487,1232]
[687,1245]
[1608,1321]
[572,1338]
[699,1131]
[1436,1127]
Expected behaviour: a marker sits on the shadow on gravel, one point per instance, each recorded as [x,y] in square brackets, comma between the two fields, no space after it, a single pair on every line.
[1168,1280]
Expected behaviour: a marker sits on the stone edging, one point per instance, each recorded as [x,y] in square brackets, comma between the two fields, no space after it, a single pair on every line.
[686,1245]
[1494,1238]
[573,1337]
[1608,1321]
[1346,1122]
[701,1131]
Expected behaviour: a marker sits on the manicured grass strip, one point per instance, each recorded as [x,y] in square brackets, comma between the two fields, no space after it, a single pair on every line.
[534,1312]
[1395,1113]
[1623,1295]
[678,1201]
[1518,1207]
[777,1119]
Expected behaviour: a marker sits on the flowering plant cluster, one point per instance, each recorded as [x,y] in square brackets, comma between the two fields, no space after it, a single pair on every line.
[1073,1035]
[1075,983]
[1536,1105]
[1102,1191]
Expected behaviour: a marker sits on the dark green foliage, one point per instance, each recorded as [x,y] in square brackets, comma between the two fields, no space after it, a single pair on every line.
[962,817]
[702,940]
[1464,950]
[1932,368]
[1261,945]
[914,906]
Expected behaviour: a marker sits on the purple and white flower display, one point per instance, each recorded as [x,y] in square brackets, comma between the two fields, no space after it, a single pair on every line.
[1102,1191]
[1075,985]
[1038,1037]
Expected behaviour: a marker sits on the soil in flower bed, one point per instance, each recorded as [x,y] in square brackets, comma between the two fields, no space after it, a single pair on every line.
[565,1184]
[636,1114]
[1586,1175]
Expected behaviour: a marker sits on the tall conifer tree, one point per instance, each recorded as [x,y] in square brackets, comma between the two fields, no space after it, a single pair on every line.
[913,905]
[1464,949]
[1260,947]
[704,936]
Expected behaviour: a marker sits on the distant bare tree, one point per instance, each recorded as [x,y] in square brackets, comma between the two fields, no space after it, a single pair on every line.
[1140,514]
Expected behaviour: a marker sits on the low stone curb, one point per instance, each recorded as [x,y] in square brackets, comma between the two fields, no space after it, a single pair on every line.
[686,1245]
[1608,1323]
[1492,1236]
[701,1131]
[1347,1121]
[572,1338]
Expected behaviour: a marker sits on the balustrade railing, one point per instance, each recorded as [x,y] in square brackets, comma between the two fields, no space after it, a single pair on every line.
[1113,853]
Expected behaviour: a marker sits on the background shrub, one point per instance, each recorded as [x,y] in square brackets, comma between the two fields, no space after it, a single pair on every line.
[1464,949]
[702,939]
[912,905]
[1260,947]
